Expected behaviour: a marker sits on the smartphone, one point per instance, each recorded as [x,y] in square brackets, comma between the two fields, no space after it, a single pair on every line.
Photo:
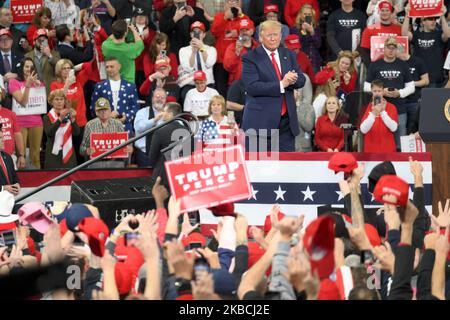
[235,12]
[163,53]
[308,19]
[194,218]
[128,21]
[181,5]
[196,34]
[201,265]
[194,245]
[7,239]
[72,73]
[377,100]
[391,89]
[44,43]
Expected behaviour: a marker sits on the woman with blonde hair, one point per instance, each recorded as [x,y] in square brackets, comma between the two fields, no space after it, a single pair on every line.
[326,87]
[217,129]
[60,126]
[345,67]
[329,137]
[307,28]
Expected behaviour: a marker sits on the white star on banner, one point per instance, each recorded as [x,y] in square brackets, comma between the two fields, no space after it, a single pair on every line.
[308,194]
[280,193]
[254,192]
[340,194]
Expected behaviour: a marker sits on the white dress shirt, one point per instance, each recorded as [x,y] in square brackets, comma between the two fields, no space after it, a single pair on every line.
[277,59]
[207,66]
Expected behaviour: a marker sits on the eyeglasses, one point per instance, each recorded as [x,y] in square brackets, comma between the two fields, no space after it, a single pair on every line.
[66,68]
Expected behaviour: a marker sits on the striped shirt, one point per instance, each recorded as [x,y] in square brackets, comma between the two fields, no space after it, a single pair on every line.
[95,125]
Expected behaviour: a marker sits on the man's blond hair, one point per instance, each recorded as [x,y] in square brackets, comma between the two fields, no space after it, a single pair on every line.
[270,24]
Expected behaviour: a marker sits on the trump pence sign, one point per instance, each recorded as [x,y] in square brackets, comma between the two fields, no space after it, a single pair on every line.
[425,8]
[209,178]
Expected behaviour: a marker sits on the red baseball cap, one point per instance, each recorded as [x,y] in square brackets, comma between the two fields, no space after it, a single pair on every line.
[268,222]
[323,76]
[194,237]
[270,8]
[124,278]
[246,23]
[38,33]
[372,235]
[97,233]
[392,185]
[255,252]
[385,5]
[5,32]
[199,75]
[319,243]
[225,209]
[342,162]
[171,99]
[198,24]
[292,42]
[161,63]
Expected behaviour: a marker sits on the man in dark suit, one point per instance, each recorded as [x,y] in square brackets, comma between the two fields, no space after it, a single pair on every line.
[165,137]
[9,60]
[8,177]
[67,51]
[20,43]
[270,74]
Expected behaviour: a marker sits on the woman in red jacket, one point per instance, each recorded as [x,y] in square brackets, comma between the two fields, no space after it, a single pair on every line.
[293,7]
[42,20]
[159,49]
[345,67]
[329,136]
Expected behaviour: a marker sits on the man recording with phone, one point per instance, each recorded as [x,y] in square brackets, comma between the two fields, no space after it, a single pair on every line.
[398,82]
[379,122]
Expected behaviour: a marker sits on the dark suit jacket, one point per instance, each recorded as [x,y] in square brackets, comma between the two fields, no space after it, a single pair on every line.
[162,138]
[10,168]
[16,57]
[264,100]
[76,55]
[17,35]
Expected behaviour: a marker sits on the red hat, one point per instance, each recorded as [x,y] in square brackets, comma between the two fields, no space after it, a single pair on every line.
[161,63]
[392,185]
[342,162]
[8,226]
[255,252]
[268,222]
[124,278]
[319,243]
[97,233]
[171,99]
[225,209]
[38,33]
[292,42]
[5,32]
[131,256]
[199,75]
[246,23]
[372,234]
[385,4]
[323,76]
[198,24]
[328,290]
[270,8]
[194,237]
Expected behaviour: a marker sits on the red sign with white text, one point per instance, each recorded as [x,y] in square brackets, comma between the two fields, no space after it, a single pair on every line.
[23,10]
[209,178]
[103,142]
[425,8]
[377,46]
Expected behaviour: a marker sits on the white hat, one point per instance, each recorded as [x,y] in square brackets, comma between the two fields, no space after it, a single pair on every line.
[6,207]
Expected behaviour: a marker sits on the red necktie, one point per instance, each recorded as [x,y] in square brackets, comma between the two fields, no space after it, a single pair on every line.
[4,169]
[277,70]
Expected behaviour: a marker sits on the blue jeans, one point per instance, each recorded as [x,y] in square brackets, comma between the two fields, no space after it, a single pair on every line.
[401,130]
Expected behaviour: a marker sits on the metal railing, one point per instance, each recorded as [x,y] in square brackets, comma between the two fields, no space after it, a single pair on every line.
[186,118]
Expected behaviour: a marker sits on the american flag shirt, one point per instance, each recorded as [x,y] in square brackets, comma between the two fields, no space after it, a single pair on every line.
[213,134]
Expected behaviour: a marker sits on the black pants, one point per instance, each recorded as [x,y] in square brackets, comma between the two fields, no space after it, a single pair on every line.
[221,79]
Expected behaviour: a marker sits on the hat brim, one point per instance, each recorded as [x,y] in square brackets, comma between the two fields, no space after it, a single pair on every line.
[10,218]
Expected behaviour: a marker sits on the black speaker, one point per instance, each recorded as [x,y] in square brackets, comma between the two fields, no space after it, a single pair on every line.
[115,198]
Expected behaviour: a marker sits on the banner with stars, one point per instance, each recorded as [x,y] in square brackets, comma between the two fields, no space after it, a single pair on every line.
[301,182]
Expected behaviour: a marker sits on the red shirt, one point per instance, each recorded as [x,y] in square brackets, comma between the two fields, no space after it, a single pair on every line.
[379,30]
[380,138]
[233,63]
[292,8]
[30,33]
[305,64]
[328,134]
[350,87]
[219,29]
[139,62]
[10,126]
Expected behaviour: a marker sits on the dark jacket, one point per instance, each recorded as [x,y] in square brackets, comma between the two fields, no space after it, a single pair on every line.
[403,270]
[162,138]
[17,35]
[16,57]
[76,55]
[55,161]
[13,179]
[179,33]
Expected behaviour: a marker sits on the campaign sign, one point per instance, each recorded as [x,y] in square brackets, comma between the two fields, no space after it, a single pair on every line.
[209,178]
[23,10]
[425,8]
[103,142]
[377,46]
